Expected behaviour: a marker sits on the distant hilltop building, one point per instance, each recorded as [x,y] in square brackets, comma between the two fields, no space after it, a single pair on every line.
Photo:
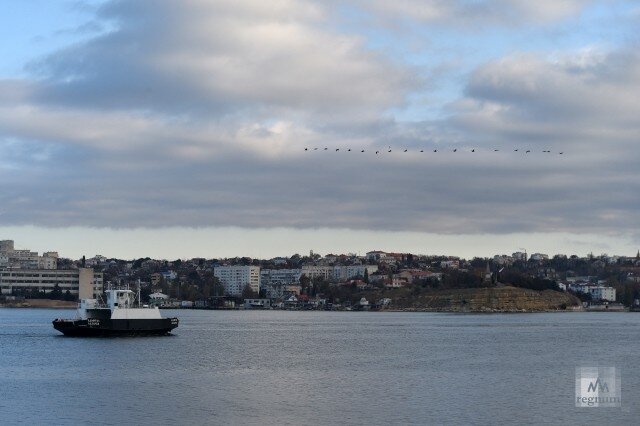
[539,257]
[520,255]
[25,259]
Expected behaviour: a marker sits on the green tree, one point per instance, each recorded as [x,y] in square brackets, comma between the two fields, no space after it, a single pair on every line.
[56,293]
[248,293]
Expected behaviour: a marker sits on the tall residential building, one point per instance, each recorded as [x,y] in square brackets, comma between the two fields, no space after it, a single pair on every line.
[83,280]
[235,278]
[275,282]
[313,271]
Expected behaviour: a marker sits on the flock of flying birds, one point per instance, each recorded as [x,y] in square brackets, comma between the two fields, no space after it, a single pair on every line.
[379,151]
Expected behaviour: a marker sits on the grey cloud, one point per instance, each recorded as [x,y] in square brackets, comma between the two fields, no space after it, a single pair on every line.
[221,58]
[145,126]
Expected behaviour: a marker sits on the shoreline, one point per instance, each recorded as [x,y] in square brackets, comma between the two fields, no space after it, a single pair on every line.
[40,304]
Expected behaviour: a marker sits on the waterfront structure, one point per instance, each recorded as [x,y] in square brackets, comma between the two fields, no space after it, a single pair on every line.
[76,281]
[235,278]
[158,298]
[257,303]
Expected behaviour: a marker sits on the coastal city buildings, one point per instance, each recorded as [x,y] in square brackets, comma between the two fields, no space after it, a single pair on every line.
[594,280]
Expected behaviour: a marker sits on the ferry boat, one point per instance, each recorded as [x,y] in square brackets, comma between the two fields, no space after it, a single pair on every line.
[118,317]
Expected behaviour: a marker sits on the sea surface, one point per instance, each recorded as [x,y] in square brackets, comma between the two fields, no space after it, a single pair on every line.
[275,367]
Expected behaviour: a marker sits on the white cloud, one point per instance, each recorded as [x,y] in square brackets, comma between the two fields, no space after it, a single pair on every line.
[223,57]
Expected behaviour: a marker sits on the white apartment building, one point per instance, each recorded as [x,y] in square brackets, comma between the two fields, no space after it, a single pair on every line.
[313,271]
[603,293]
[17,280]
[235,278]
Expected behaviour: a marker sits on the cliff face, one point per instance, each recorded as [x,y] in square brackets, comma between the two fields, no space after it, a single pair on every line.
[495,299]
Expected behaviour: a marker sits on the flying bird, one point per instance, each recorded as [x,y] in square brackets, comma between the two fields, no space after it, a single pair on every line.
[362,150]
[306,149]
[377,152]
[496,150]
[349,150]
[561,153]
[435,150]
[528,151]
[515,150]
[337,149]
[326,148]
[422,150]
[315,149]
[473,150]
[455,150]
[405,150]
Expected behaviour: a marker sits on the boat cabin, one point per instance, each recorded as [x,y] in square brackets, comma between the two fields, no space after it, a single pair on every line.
[123,299]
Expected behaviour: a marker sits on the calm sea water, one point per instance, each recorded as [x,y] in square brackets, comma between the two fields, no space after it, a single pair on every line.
[318,368]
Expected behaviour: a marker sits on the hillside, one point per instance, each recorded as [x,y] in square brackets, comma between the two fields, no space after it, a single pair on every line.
[495,299]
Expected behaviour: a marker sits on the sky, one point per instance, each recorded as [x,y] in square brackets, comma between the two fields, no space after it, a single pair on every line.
[177,129]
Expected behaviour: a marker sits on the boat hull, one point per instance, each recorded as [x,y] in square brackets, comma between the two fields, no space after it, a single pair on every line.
[94,327]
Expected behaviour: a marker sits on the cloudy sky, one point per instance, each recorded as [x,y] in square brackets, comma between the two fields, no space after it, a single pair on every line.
[178,128]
